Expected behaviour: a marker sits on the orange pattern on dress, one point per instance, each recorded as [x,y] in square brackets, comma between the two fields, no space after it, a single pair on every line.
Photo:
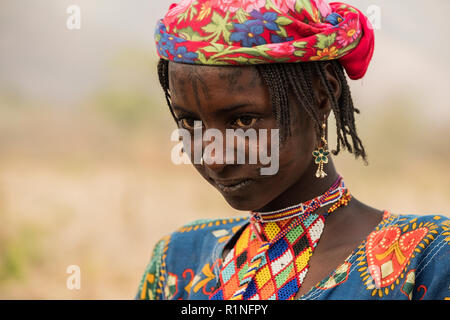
[388,251]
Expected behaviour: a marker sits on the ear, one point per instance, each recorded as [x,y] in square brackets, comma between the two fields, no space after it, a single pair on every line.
[324,103]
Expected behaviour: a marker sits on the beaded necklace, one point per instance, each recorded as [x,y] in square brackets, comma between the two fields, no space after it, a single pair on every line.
[271,257]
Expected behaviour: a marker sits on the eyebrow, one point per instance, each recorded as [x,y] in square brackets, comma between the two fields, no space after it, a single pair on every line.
[225,110]
[229,109]
[178,108]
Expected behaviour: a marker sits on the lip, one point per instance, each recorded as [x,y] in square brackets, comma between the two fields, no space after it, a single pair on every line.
[232,186]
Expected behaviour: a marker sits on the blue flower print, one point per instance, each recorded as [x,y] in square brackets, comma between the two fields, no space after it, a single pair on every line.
[274,38]
[166,42]
[268,19]
[164,45]
[184,56]
[334,18]
[172,41]
[249,34]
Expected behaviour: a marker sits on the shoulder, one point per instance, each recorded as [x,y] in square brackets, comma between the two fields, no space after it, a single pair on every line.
[208,225]
[205,230]
[183,250]
[197,237]
[149,286]
[414,248]
[428,224]
[422,232]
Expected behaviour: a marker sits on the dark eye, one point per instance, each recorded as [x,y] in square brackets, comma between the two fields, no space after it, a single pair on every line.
[245,121]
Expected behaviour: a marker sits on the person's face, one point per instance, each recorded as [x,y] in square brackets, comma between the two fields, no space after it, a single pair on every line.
[237,98]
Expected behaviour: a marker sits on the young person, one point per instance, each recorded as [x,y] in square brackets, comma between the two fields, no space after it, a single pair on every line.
[280,65]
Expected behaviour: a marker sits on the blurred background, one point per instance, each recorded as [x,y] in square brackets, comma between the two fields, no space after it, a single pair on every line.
[85,172]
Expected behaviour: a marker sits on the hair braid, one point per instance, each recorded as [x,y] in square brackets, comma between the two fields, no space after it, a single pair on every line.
[279,97]
[301,82]
[163,75]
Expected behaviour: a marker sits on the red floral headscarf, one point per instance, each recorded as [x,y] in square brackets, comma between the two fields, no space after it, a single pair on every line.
[245,32]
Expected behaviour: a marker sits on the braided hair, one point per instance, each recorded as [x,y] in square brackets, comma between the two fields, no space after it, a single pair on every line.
[283,78]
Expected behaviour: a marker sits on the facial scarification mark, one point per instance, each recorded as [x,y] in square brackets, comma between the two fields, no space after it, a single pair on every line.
[198,83]
[255,80]
[192,76]
[179,83]
[187,80]
[232,77]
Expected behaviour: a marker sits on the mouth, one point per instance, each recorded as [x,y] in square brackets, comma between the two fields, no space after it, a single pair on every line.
[232,186]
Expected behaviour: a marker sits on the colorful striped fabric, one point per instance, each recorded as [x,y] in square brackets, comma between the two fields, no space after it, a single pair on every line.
[270,258]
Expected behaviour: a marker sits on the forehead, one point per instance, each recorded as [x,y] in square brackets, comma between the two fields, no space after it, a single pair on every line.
[214,78]
[180,69]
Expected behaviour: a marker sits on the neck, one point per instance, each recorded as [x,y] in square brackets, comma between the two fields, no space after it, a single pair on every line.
[306,188]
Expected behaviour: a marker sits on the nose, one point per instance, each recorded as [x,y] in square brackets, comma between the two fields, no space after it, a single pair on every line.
[214,153]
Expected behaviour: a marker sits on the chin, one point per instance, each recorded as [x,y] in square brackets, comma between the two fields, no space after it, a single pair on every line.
[243,203]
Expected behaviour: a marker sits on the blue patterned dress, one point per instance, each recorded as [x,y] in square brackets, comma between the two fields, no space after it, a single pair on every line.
[404,257]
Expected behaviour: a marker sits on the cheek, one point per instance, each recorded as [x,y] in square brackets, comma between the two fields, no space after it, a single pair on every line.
[296,152]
